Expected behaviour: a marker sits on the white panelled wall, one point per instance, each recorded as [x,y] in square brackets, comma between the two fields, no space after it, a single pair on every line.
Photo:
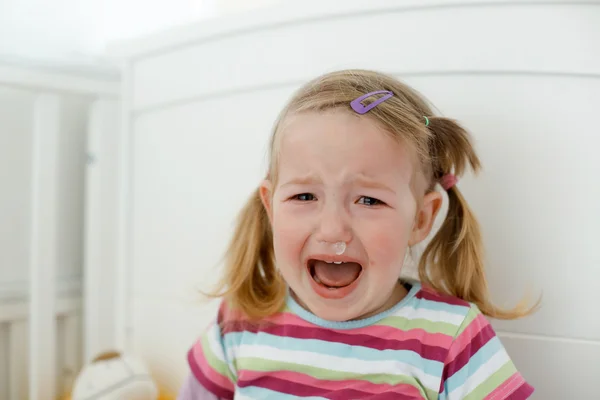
[199,103]
[44,122]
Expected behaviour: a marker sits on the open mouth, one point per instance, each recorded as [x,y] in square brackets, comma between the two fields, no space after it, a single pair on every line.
[334,275]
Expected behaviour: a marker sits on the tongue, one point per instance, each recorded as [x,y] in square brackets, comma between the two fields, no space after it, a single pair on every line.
[336,275]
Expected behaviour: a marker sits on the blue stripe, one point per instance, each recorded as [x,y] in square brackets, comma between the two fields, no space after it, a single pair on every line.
[255,392]
[341,350]
[359,323]
[483,355]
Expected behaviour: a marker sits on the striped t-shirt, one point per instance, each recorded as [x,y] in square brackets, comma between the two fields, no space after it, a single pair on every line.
[428,346]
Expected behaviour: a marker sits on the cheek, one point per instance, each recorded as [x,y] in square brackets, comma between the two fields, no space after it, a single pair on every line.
[386,243]
[288,237]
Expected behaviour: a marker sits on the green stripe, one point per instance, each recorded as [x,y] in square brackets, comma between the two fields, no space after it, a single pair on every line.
[265,365]
[419,323]
[494,381]
[471,315]
[214,361]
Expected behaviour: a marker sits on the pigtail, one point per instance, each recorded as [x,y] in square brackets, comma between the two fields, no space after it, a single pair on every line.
[453,262]
[251,282]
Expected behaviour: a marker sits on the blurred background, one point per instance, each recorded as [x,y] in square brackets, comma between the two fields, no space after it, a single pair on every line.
[131,132]
[76,33]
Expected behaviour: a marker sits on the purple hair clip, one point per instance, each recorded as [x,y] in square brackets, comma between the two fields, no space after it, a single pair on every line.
[360,108]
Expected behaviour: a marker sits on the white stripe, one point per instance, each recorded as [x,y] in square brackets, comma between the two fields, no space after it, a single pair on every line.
[430,315]
[214,342]
[348,365]
[480,376]
[240,396]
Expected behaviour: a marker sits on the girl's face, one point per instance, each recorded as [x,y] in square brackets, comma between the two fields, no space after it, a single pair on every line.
[342,179]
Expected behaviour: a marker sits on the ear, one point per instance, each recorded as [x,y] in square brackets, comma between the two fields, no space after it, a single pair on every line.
[266,196]
[425,217]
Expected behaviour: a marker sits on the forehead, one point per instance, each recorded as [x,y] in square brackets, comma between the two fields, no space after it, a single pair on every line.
[343,142]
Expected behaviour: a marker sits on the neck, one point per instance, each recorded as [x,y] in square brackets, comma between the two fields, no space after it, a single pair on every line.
[398,293]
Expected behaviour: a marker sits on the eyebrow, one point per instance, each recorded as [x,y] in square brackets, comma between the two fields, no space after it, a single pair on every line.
[360,180]
[366,182]
[303,180]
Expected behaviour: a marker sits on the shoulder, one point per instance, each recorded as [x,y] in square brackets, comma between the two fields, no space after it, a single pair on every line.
[429,294]
[225,321]
[476,364]
[438,313]
[193,390]
[461,321]
[223,334]
[467,323]
[208,357]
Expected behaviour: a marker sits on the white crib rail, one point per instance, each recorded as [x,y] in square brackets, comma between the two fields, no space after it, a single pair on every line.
[43,245]
[42,328]
[16,349]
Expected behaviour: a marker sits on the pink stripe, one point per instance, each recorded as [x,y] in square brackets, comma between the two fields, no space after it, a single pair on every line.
[227,313]
[328,385]
[523,392]
[302,391]
[434,353]
[208,371]
[484,336]
[382,331]
[220,392]
[466,337]
[507,387]
[430,294]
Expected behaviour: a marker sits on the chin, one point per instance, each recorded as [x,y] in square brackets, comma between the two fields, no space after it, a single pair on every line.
[334,310]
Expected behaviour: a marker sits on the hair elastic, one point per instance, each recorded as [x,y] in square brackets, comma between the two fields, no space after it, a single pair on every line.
[360,108]
[448,181]
[426,120]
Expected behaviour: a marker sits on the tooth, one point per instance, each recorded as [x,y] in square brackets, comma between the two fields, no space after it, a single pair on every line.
[337,262]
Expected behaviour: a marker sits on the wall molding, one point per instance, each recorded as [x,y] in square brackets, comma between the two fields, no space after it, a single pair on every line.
[167,105]
[19,310]
[272,17]
[18,291]
[48,80]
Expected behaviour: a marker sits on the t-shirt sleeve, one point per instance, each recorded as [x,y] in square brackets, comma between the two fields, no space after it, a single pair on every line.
[210,365]
[193,390]
[478,367]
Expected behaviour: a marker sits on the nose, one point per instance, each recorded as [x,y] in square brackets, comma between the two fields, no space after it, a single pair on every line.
[334,225]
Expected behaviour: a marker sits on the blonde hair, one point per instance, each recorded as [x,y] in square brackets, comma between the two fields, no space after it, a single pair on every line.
[452,263]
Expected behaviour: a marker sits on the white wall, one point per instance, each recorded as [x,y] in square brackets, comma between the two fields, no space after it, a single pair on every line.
[76,32]
[200,102]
